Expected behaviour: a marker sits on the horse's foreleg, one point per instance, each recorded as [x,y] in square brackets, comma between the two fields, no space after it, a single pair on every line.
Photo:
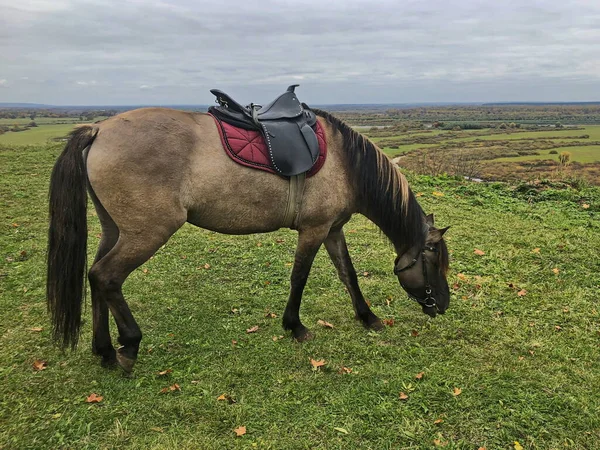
[338,252]
[308,246]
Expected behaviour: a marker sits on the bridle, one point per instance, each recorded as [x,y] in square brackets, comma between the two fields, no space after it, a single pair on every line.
[429,301]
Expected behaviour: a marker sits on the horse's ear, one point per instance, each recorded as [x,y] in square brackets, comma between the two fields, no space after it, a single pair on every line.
[429,220]
[443,230]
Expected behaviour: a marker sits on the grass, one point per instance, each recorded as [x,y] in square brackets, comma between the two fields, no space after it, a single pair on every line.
[583,154]
[36,136]
[522,378]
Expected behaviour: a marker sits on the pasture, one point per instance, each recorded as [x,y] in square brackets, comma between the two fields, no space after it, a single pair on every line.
[516,359]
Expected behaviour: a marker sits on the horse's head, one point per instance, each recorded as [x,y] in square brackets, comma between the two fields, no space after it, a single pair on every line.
[422,271]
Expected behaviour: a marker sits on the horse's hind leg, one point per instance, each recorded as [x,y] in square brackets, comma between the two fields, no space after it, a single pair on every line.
[107,277]
[338,252]
[101,342]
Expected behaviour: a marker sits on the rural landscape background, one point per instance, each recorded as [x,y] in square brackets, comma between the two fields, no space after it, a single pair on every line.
[515,363]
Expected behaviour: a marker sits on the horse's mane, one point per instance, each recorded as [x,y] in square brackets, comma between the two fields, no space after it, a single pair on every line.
[382,191]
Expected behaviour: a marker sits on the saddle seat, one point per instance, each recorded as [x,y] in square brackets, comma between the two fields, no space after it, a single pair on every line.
[285,124]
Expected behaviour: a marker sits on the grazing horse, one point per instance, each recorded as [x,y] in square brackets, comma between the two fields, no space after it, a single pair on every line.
[150,170]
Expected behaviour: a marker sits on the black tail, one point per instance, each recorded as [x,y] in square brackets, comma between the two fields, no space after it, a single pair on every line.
[67,238]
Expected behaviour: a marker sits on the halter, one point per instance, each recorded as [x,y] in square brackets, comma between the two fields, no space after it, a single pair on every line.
[429,301]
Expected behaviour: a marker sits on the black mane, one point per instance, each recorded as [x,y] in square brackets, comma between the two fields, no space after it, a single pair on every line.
[382,191]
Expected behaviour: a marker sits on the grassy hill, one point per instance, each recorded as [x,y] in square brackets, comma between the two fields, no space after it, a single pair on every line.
[516,357]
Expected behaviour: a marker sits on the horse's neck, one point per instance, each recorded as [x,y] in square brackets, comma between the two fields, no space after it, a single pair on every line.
[389,202]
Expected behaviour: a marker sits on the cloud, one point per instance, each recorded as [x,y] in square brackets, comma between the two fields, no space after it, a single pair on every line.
[351,51]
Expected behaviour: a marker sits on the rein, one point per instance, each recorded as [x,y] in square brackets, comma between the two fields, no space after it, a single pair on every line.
[429,301]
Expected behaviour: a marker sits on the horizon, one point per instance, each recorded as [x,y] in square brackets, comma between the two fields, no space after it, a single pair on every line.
[352,52]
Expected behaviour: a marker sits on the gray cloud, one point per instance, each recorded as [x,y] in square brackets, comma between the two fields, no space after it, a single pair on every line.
[351,51]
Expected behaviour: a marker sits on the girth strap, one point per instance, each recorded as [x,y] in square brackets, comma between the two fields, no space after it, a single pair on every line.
[294,201]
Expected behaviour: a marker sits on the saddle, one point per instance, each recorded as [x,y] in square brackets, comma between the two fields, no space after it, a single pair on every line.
[285,124]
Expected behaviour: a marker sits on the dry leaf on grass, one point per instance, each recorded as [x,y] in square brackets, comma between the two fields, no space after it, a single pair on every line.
[324,324]
[165,372]
[388,322]
[226,398]
[479,252]
[270,315]
[403,396]
[522,293]
[93,398]
[172,388]
[457,391]
[254,329]
[317,363]
[414,333]
[420,375]
[438,421]
[556,270]
[36,329]
[345,370]
[438,194]
[518,446]
[240,431]
[38,365]
[535,250]
[461,276]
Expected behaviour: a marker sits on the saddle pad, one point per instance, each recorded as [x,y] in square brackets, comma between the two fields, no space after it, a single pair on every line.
[248,147]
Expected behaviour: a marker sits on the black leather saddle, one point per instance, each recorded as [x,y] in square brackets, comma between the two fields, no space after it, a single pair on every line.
[285,124]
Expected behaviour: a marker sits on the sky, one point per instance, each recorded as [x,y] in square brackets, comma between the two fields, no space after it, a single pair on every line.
[167,52]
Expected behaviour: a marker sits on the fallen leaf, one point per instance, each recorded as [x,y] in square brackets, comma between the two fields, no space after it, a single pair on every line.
[518,446]
[557,327]
[259,244]
[461,276]
[482,448]
[456,286]
[345,370]
[457,391]
[438,194]
[419,375]
[479,252]
[388,322]
[438,421]
[317,363]
[15,225]
[585,206]
[165,372]
[403,396]
[439,443]
[40,365]
[145,270]
[226,397]
[240,431]
[565,310]
[173,388]
[419,194]
[521,358]
[207,266]
[366,274]
[157,429]
[324,324]
[254,329]
[94,398]
[341,430]
[368,302]
[37,329]
[270,315]
[233,342]
[414,333]
[556,270]
[522,293]
[276,338]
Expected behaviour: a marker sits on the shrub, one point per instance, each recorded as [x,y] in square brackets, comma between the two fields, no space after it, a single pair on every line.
[553,152]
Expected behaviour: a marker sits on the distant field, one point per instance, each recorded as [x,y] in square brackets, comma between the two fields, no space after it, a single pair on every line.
[584,154]
[36,136]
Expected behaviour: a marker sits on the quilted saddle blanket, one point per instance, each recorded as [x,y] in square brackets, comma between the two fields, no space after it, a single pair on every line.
[248,147]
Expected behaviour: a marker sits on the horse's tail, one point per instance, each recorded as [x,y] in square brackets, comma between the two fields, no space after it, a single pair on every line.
[67,238]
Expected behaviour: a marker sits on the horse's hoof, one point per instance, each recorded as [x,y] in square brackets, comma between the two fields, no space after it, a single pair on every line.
[376,325]
[108,362]
[125,362]
[303,336]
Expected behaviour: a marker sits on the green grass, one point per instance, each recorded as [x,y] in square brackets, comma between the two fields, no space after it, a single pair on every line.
[522,379]
[35,136]
[584,154]
[592,130]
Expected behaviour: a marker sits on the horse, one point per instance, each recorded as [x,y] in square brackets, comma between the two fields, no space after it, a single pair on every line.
[150,170]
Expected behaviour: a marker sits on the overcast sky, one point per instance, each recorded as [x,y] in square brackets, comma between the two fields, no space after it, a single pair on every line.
[340,51]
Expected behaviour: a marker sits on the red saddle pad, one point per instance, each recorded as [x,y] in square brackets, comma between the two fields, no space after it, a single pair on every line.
[248,147]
